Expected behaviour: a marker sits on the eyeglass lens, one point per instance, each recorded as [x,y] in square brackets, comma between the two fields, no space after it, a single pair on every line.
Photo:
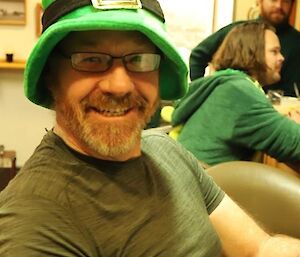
[98,62]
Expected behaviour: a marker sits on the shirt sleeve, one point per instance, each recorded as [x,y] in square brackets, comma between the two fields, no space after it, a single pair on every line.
[186,168]
[262,128]
[38,227]
[211,193]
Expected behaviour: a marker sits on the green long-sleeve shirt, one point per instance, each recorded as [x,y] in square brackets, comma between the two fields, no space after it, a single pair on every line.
[226,117]
[289,39]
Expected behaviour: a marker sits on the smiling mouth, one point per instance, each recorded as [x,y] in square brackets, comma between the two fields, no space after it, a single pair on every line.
[110,112]
[278,13]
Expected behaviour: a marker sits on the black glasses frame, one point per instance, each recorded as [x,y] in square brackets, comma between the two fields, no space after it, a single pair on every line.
[125,60]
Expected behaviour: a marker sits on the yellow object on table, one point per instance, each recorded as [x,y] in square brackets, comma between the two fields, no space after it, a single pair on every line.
[166,114]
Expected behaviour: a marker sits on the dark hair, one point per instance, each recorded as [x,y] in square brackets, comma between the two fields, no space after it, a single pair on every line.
[244,49]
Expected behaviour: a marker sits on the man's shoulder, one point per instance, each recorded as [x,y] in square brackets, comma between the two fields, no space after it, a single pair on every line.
[156,136]
[160,145]
[50,154]
[239,88]
[288,35]
[231,25]
[234,79]
[45,174]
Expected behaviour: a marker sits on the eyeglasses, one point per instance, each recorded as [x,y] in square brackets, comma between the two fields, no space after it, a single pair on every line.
[99,62]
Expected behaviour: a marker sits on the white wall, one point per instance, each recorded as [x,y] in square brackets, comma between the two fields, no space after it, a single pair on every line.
[191,21]
[19,38]
[242,8]
[297,25]
[22,124]
[223,13]
[188,21]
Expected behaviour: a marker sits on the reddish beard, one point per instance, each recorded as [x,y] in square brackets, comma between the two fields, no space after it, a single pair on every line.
[282,19]
[109,138]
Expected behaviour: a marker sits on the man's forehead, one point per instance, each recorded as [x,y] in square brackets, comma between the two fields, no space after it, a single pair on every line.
[91,38]
[270,36]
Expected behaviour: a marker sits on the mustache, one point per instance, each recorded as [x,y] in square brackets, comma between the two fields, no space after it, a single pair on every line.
[280,11]
[99,101]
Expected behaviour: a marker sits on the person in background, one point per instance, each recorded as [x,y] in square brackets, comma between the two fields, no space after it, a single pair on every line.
[226,116]
[277,13]
[98,185]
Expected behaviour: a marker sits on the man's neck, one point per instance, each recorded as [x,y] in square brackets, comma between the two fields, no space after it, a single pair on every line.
[68,139]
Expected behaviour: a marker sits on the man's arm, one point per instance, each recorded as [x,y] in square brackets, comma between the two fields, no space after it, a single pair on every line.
[241,236]
[202,54]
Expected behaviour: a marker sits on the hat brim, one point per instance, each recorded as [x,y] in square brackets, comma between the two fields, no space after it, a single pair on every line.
[173,69]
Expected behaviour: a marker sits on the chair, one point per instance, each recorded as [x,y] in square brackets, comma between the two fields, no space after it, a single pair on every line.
[8,167]
[269,195]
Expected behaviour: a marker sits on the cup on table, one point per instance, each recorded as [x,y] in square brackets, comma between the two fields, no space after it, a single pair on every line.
[9,57]
[275,96]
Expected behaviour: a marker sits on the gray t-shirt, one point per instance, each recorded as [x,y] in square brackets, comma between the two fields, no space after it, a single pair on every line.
[66,204]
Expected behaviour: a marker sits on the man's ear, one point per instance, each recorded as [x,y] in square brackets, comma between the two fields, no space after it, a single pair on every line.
[48,80]
[49,75]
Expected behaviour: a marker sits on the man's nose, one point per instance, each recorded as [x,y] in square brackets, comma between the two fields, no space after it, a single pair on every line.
[278,3]
[117,80]
[281,58]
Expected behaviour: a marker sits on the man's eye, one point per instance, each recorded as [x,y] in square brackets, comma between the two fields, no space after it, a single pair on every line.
[135,59]
[274,51]
[92,59]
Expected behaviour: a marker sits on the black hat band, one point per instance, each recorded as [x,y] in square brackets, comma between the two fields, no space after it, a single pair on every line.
[59,8]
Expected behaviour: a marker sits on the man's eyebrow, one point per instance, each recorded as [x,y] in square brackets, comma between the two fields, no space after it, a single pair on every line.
[87,42]
[91,42]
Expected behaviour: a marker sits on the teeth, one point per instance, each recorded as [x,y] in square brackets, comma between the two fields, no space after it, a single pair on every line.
[112,112]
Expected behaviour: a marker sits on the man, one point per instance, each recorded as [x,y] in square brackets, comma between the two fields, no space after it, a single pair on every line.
[277,13]
[94,186]
[227,116]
